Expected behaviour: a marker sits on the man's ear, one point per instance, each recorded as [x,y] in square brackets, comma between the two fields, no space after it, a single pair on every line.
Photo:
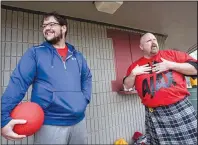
[141,47]
[64,28]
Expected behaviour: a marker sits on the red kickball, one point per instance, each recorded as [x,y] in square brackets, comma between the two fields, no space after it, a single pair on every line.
[31,112]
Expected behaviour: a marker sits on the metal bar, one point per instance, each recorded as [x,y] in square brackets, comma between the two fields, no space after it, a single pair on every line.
[4,141]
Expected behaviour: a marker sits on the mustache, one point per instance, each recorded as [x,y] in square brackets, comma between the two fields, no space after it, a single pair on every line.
[51,31]
[154,45]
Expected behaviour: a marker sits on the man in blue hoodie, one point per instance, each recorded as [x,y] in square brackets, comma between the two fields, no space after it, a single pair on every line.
[61,84]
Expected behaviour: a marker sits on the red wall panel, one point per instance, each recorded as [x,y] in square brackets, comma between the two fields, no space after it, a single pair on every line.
[126,50]
[136,52]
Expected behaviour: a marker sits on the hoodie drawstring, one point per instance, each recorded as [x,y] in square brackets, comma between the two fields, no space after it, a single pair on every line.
[52,60]
[74,54]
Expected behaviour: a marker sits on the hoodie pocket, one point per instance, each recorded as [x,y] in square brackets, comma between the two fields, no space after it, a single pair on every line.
[68,103]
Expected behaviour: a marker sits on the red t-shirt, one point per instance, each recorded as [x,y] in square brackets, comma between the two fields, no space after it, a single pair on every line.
[164,88]
[63,52]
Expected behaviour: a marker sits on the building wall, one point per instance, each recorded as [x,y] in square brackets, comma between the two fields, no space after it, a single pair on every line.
[177,19]
[109,115]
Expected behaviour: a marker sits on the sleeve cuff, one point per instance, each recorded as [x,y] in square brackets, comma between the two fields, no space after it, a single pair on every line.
[5,122]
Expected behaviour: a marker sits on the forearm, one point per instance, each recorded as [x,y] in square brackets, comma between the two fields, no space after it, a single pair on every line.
[11,97]
[184,68]
[129,81]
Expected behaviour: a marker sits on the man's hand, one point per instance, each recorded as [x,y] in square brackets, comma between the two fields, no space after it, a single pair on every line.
[7,131]
[162,66]
[138,70]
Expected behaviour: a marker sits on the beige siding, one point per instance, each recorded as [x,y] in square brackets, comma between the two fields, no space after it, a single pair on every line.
[109,115]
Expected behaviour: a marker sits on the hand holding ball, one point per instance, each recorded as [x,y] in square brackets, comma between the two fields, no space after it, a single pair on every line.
[32,113]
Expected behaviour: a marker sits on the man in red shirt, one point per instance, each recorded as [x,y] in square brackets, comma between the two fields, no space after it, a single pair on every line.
[159,78]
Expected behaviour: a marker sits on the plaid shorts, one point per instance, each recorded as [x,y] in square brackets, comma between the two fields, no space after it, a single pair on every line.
[175,124]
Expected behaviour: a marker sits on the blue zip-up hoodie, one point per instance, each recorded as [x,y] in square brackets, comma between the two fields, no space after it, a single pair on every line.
[61,88]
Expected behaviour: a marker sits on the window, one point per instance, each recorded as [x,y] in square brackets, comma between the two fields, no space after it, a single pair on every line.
[194,54]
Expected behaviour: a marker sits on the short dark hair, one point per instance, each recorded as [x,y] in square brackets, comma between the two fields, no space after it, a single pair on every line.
[61,19]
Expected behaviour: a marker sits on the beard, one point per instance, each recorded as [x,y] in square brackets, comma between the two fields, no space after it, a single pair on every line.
[154,48]
[56,39]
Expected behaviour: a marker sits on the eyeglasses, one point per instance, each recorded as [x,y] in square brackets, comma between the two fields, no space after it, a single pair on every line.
[52,24]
